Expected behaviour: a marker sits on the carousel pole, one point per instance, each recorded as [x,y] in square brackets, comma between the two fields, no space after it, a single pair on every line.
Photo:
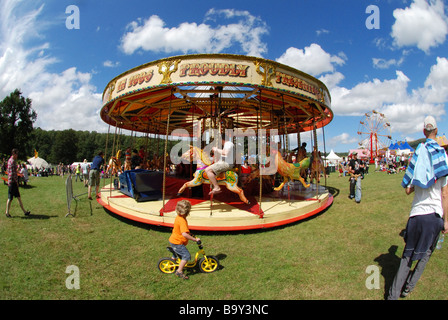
[105,155]
[315,157]
[164,153]
[220,129]
[325,152]
[260,214]
[286,142]
[113,149]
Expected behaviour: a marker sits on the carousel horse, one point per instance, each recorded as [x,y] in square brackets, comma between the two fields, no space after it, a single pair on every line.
[290,171]
[317,166]
[228,178]
[114,164]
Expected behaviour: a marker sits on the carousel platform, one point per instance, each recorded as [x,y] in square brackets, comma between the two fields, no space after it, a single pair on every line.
[225,212]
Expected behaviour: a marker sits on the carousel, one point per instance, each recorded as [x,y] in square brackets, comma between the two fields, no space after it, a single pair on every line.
[193,99]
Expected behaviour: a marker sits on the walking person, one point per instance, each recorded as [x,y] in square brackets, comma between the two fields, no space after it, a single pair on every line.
[355,168]
[85,172]
[426,177]
[13,183]
[95,174]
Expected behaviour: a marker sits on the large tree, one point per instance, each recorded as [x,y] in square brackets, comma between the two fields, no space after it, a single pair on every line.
[16,124]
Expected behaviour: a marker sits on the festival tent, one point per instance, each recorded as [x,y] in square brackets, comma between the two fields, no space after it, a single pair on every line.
[400,148]
[38,163]
[405,146]
[395,146]
[332,158]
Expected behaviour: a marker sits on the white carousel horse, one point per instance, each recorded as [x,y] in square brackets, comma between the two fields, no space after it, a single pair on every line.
[228,178]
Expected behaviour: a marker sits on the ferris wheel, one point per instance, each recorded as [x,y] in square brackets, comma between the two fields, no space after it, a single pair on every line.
[374,133]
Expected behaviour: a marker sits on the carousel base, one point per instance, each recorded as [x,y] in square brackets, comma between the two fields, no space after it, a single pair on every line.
[225,212]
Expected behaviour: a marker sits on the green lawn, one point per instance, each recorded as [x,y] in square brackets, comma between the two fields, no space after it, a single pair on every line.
[325,257]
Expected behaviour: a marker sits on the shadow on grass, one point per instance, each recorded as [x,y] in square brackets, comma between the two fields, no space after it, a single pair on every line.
[389,263]
[195,270]
[37,217]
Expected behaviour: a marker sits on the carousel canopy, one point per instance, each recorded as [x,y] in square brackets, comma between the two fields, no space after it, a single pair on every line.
[203,91]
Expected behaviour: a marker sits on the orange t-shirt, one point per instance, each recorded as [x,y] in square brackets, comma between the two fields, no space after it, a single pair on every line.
[180,226]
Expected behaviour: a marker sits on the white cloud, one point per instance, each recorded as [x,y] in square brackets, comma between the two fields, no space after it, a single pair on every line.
[152,35]
[403,109]
[68,100]
[322,31]
[61,100]
[369,95]
[110,64]
[422,24]
[380,63]
[343,138]
[313,59]
[331,80]
[436,84]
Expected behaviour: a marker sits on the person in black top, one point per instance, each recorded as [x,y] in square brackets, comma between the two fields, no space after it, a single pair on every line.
[355,169]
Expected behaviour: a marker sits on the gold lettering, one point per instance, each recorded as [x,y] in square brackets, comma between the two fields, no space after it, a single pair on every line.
[121,85]
[294,82]
[139,78]
[220,69]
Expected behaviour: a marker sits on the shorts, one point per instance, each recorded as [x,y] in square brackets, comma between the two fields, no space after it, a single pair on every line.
[422,233]
[94,177]
[13,191]
[182,251]
[220,166]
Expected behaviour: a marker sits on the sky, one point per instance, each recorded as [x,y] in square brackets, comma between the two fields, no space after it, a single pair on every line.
[385,55]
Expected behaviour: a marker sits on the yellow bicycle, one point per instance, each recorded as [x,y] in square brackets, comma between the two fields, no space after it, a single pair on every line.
[206,264]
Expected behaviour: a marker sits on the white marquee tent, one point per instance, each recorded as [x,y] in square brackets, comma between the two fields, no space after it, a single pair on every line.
[38,163]
[332,158]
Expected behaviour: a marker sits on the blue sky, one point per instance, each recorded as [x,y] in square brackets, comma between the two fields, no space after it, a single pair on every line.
[400,69]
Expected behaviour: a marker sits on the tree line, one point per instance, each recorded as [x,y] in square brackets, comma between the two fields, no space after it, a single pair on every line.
[64,146]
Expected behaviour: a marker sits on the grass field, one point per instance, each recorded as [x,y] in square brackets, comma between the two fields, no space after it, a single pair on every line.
[325,257]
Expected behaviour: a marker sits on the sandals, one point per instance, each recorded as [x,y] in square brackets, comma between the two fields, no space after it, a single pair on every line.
[181,275]
[27,213]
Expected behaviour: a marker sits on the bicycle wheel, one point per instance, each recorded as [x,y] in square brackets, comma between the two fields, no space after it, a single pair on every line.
[166,265]
[208,265]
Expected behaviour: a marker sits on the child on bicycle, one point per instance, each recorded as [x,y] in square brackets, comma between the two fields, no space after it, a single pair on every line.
[180,236]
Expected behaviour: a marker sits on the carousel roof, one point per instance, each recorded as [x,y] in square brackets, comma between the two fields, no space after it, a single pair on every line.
[209,90]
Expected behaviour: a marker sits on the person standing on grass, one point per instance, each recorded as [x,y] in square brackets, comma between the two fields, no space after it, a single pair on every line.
[13,183]
[85,172]
[180,236]
[94,174]
[355,167]
[426,176]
